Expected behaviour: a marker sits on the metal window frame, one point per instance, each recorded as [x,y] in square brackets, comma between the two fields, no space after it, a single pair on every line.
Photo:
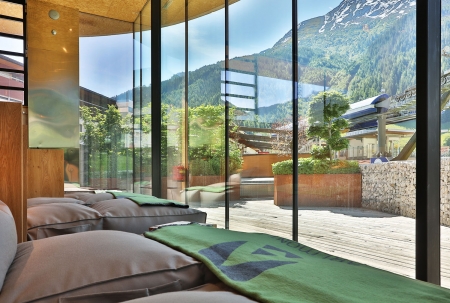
[428,130]
[156,98]
[295,121]
[24,89]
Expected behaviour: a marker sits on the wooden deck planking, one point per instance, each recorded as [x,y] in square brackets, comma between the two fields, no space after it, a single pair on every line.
[374,238]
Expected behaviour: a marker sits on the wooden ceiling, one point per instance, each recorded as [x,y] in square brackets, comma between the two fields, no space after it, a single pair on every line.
[172,12]
[109,17]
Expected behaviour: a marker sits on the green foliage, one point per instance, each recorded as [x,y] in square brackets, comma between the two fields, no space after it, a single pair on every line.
[207,144]
[309,166]
[323,117]
[104,134]
[320,152]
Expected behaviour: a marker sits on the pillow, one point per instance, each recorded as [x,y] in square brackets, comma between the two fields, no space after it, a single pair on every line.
[47,200]
[212,199]
[47,220]
[126,215]
[194,297]
[8,241]
[96,262]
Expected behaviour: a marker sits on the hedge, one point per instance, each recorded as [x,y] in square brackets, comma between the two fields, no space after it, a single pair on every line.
[308,166]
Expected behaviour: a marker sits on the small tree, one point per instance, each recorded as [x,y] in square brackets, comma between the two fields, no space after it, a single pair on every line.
[323,117]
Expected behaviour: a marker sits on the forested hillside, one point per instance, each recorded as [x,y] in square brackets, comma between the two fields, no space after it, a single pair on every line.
[360,48]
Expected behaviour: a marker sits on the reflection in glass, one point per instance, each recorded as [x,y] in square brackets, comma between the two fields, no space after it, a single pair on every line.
[173,104]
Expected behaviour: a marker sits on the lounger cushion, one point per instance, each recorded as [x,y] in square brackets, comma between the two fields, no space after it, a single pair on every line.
[47,220]
[195,297]
[47,200]
[188,196]
[94,263]
[91,198]
[8,241]
[126,215]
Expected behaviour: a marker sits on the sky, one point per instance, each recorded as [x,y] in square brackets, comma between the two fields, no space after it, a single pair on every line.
[255,25]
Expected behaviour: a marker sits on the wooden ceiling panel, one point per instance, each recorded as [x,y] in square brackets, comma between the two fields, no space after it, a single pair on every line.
[172,12]
[128,13]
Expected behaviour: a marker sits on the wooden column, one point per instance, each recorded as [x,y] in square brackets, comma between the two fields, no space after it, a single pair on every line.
[11,163]
[45,173]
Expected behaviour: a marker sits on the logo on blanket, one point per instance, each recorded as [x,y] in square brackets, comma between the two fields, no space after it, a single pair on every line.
[218,254]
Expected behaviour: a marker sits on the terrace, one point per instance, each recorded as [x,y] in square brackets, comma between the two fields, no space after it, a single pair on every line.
[370,237]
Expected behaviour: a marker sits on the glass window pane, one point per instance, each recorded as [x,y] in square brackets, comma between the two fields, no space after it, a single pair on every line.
[11,45]
[11,62]
[11,27]
[173,107]
[205,121]
[11,95]
[106,108]
[11,9]
[258,86]
[11,79]
[345,54]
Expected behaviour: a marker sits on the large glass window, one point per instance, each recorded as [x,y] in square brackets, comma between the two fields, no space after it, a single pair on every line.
[354,64]
[258,86]
[106,108]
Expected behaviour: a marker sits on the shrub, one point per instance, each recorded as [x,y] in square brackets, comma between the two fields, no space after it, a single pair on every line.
[309,166]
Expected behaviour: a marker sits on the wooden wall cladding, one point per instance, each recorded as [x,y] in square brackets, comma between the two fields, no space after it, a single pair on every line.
[11,162]
[45,173]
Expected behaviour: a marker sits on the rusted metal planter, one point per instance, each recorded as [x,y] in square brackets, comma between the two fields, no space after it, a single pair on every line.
[320,190]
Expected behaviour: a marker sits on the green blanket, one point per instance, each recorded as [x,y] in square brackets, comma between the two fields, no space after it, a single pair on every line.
[211,189]
[273,269]
[143,200]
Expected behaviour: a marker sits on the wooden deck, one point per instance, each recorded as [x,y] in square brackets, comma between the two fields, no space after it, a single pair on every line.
[374,238]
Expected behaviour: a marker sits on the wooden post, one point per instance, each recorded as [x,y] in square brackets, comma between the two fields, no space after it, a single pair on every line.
[11,163]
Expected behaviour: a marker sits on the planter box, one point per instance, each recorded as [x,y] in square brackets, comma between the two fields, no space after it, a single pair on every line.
[339,190]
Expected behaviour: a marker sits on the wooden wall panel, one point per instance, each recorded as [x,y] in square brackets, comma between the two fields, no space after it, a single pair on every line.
[45,173]
[11,162]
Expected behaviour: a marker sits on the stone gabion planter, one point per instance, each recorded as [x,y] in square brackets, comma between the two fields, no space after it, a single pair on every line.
[391,188]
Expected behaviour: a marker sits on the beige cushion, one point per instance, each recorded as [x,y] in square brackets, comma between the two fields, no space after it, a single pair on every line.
[47,220]
[47,200]
[94,263]
[126,215]
[188,196]
[90,198]
[195,297]
[8,241]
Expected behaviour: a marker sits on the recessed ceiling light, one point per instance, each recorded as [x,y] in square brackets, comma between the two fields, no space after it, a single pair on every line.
[53,14]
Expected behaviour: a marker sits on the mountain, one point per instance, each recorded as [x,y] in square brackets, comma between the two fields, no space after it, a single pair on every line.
[361,47]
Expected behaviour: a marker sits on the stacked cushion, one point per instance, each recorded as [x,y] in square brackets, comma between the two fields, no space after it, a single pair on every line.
[126,215]
[53,219]
[48,217]
[47,200]
[90,266]
[90,198]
